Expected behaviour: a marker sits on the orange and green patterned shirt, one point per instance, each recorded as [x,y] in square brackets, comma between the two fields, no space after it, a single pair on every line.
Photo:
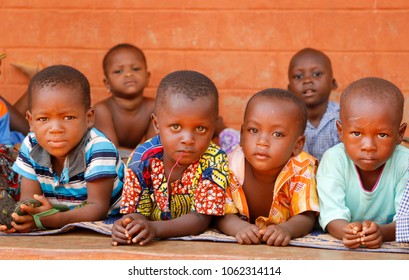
[294,190]
[201,187]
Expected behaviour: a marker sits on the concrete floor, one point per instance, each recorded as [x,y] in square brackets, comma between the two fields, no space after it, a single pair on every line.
[81,244]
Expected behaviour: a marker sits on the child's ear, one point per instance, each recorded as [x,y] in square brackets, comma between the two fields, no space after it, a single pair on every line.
[299,145]
[340,133]
[29,118]
[402,130]
[155,123]
[107,86]
[334,84]
[90,117]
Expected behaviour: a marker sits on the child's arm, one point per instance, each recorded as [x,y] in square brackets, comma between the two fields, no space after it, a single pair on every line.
[99,195]
[243,231]
[143,231]
[17,120]
[296,226]
[96,208]
[104,122]
[349,233]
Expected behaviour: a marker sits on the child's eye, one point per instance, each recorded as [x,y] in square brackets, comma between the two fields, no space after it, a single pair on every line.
[201,129]
[298,76]
[175,127]
[356,133]
[117,71]
[136,68]
[42,119]
[382,135]
[317,74]
[68,118]
[253,130]
[278,134]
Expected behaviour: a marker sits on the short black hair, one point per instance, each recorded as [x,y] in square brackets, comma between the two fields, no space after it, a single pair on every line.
[374,89]
[119,47]
[309,51]
[283,95]
[189,84]
[60,75]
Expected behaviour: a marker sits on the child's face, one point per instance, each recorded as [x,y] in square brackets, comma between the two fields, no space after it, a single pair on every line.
[186,127]
[126,73]
[58,119]
[270,134]
[310,78]
[370,133]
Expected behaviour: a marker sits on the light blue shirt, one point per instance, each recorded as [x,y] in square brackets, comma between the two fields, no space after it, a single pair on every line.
[342,195]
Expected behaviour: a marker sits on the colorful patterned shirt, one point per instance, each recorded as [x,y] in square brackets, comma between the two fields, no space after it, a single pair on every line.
[94,157]
[201,187]
[294,190]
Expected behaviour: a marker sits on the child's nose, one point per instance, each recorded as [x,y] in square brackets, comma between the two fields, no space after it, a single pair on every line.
[187,138]
[368,144]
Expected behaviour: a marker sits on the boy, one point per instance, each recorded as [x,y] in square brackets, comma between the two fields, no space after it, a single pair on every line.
[402,218]
[175,182]
[125,116]
[311,79]
[273,181]
[63,163]
[361,180]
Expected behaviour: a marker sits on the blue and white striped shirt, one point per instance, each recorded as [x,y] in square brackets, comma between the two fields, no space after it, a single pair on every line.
[320,139]
[94,158]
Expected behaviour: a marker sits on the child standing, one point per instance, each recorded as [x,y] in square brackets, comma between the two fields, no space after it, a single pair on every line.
[175,182]
[63,163]
[125,117]
[272,185]
[311,79]
[361,180]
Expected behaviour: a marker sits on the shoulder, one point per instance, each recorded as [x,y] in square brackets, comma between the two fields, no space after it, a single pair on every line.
[98,140]
[103,106]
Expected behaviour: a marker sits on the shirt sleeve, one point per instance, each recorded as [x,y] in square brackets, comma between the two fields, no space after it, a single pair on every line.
[23,164]
[331,189]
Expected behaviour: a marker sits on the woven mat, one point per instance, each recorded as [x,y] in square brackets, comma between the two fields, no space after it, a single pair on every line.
[316,239]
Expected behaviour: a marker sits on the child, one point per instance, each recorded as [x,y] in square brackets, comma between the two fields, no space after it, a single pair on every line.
[273,181]
[361,180]
[402,218]
[311,79]
[125,117]
[63,163]
[175,181]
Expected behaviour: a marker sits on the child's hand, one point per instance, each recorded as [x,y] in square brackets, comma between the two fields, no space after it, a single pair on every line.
[372,235]
[141,231]
[119,235]
[249,235]
[3,228]
[25,223]
[352,235]
[274,235]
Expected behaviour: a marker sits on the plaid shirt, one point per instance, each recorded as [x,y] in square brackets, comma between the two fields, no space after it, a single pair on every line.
[402,218]
[321,138]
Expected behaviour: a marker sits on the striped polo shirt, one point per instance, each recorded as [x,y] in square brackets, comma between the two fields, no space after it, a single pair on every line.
[94,157]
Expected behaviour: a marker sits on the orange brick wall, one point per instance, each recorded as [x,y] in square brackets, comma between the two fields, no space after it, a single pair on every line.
[244,46]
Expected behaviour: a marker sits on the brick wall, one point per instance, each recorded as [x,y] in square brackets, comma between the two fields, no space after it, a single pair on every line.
[243,45]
